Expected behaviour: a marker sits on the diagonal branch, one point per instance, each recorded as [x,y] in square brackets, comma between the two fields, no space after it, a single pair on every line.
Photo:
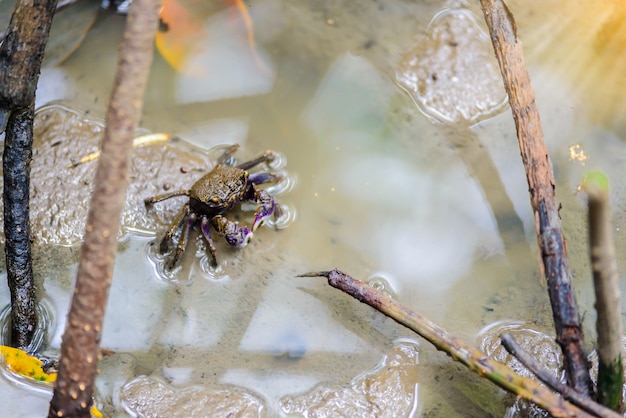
[473,359]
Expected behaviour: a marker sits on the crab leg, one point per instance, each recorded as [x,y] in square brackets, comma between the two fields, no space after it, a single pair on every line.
[182,242]
[228,152]
[204,227]
[267,156]
[158,198]
[235,235]
[264,177]
[180,217]
[266,209]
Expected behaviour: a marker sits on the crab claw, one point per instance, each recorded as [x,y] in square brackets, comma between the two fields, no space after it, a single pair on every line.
[265,210]
[234,234]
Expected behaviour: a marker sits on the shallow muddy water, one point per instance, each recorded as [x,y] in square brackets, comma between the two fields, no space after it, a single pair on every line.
[432,209]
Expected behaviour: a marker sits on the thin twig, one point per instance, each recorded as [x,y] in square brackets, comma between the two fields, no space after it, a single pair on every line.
[606,285]
[474,359]
[80,348]
[549,379]
[541,185]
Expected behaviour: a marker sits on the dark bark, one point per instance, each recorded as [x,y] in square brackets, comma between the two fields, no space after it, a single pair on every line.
[21,54]
[542,192]
[81,341]
[16,166]
[22,51]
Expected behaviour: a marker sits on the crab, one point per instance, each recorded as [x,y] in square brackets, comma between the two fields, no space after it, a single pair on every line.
[212,196]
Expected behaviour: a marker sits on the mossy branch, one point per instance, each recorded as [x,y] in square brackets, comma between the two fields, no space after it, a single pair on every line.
[472,358]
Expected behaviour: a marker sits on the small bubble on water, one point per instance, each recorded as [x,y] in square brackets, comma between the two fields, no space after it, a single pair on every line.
[279,161]
[286,183]
[213,272]
[159,262]
[379,282]
[287,217]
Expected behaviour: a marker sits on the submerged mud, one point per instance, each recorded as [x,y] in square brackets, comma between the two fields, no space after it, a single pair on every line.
[60,192]
[451,73]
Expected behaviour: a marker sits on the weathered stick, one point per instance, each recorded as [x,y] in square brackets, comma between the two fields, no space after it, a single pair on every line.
[552,382]
[541,185]
[474,359]
[81,342]
[606,284]
[21,54]
[16,169]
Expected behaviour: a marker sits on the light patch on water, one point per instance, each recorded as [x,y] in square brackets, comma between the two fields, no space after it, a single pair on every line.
[280,330]
[405,212]
[222,66]
[352,96]
[214,132]
[55,85]
[137,301]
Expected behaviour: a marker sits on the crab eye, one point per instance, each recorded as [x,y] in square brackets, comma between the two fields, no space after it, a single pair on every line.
[215,200]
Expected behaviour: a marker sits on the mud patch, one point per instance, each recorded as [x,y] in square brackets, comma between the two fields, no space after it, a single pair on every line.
[60,193]
[452,73]
[148,397]
[389,391]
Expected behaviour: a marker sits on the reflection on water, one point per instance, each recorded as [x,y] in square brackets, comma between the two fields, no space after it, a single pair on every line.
[437,215]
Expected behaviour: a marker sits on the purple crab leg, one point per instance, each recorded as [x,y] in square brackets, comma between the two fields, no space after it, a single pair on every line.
[235,235]
[266,208]
[204,227]
[264,177]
